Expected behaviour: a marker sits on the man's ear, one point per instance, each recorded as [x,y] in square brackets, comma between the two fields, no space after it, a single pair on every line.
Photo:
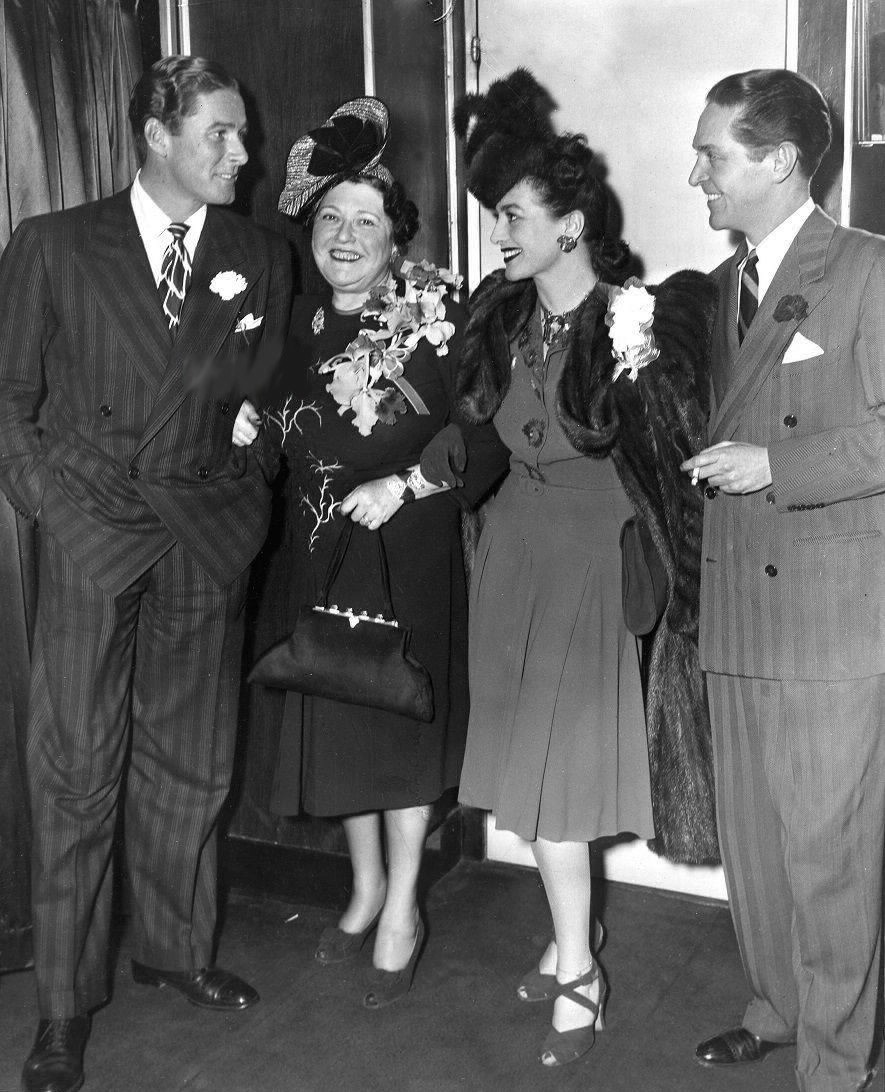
[155,136]
[784,159]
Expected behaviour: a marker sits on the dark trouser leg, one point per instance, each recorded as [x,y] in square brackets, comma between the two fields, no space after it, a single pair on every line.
[77,733]
[184,709]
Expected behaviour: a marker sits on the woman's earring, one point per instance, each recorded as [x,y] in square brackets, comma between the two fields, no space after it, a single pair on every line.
[567,243]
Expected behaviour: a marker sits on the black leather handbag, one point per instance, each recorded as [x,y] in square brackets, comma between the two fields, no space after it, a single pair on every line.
[643,578]
[348,656]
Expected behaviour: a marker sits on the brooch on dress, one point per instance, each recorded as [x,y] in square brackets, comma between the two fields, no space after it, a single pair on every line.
[318,322]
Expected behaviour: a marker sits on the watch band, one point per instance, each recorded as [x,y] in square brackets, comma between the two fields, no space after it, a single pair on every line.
[408,493]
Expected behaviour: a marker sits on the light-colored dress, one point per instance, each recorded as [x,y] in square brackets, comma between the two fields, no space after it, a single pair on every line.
[556,742]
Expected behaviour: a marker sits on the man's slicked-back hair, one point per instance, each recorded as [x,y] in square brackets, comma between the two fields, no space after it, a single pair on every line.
[775,105]
[167,91]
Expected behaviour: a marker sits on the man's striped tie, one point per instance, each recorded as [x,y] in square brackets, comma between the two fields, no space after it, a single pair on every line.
[175,275]
[749,298]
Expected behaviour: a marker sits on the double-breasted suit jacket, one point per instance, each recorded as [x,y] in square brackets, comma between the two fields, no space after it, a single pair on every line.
[130,456]
[117,437]
[792,636]
[793,576]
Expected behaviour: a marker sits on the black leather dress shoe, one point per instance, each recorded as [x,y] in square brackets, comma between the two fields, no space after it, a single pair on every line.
[737,1046]
[209,987]
[55,1063]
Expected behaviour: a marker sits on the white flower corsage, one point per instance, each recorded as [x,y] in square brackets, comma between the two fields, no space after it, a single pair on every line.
[368,377]
[248,322]
[629,319]
[228,284]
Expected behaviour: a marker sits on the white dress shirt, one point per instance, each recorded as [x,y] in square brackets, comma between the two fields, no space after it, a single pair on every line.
[153,225]
[772,250]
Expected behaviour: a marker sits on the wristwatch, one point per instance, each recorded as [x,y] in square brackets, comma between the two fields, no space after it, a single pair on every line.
[399,488]
[408,493]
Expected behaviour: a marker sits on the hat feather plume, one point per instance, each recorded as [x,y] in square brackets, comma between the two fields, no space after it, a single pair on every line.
[515,107]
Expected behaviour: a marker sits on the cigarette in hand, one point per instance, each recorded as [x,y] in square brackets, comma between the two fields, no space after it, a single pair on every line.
[695,475]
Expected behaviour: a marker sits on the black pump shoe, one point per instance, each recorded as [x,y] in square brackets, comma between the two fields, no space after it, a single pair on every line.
[338,946]
[55,1063]
[387,986]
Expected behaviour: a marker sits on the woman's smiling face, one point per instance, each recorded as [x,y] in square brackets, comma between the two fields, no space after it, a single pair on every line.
[352,241]
[527,233]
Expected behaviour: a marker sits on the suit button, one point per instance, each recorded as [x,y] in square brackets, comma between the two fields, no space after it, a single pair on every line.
[203,473]
[710,492]
[771,570]
[104,409]
[770,497]
[790,421]
[225,408]
[133,472]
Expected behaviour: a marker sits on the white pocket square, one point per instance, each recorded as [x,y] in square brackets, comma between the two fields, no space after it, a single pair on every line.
[248,322]
[801,348]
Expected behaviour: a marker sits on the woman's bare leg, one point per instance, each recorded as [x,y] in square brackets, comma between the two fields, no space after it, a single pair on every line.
[565,870]
[406,830]
[363,833]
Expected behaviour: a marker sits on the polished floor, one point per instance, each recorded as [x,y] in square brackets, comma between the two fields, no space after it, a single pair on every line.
[673,967]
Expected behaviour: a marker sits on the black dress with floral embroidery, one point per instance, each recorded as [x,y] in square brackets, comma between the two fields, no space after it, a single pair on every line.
[336,758]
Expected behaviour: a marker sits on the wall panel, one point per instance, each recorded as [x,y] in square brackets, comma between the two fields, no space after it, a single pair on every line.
[297,60]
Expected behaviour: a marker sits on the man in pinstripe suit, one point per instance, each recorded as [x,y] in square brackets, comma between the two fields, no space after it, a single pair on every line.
[127,319]
[792,620]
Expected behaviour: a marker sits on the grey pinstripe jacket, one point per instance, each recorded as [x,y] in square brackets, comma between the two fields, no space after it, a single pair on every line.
[793,576]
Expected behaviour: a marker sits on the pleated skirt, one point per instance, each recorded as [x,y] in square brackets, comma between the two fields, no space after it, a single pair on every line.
[556,744]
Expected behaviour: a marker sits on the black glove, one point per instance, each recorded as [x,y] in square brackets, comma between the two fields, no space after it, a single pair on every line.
[445,457]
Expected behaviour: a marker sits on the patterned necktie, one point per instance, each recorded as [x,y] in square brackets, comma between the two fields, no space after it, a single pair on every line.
[175,275]
[749,299]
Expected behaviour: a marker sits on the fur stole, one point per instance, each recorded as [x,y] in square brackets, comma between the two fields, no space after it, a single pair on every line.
[647,428]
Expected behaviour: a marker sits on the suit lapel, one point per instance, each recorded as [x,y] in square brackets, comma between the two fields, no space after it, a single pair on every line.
[207,319]
[801,273]
[116,266]
[725,342]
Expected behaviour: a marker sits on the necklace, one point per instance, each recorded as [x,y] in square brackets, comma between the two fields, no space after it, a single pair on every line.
[554,326]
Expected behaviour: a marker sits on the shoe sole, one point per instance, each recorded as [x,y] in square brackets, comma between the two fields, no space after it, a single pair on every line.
[736,1063]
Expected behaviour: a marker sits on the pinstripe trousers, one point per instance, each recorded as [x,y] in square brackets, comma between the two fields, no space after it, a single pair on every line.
[800,786]
[133,696]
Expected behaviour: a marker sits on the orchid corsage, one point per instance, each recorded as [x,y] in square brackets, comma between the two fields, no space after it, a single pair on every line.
[629,318]
[398,318]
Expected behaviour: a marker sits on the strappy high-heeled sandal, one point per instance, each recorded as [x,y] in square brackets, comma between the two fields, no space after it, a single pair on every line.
[562,1047]
[537,986]
[388,986]
[337,946]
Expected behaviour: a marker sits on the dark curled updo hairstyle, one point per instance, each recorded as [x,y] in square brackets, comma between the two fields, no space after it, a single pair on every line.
[569,178]
[399,209]
[509,138]
[166,91]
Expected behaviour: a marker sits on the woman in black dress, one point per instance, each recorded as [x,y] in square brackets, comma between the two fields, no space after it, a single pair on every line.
[353,413]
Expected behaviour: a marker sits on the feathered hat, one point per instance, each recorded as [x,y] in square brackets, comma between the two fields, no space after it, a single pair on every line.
[507,134]
[351,141]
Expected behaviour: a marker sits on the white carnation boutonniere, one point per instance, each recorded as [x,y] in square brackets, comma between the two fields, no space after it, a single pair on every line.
[228,284]
[629,318]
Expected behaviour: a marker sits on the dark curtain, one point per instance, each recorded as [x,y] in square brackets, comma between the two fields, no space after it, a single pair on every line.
[66,70]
